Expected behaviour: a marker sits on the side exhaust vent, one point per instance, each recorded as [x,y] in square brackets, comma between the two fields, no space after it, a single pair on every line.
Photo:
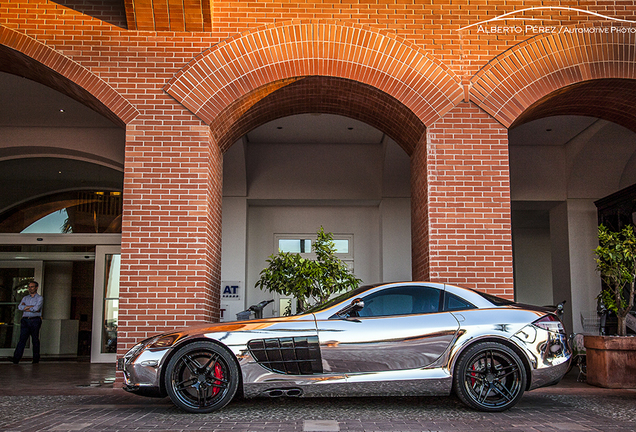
[289,392]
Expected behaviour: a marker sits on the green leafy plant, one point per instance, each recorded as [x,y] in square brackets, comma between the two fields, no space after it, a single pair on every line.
[616,262]
[308,280]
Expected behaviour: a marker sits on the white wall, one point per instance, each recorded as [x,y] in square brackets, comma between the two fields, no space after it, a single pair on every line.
[586,283]
[234,253]
[314,171]
[266,221]
[395,222]
[533,268]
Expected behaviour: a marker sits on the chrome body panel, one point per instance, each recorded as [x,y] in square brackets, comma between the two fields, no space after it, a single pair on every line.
[392,355]
[385,343]
[422,382]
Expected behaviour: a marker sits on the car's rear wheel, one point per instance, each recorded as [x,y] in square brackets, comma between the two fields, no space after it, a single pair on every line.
[202,377]
[489,376]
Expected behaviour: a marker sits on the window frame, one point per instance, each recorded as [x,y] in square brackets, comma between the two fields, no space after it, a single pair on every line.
[312,237]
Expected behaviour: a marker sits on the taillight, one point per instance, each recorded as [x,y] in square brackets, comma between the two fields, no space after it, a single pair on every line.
[550,323]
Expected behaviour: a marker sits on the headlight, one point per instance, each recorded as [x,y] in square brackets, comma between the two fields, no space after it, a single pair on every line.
[163,341]
[135,351]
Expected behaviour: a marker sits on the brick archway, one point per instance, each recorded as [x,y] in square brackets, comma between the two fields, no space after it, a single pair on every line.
[326,95]
[27,57]
[610,99]
[253,60]
[528,72]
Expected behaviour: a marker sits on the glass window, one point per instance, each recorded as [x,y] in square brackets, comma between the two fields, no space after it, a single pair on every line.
[497,301]
[66,212]
[302,244]
[342,245]
[53,223]
[454,303]
[111,303]
[405,300]
[13,287]
[294,245]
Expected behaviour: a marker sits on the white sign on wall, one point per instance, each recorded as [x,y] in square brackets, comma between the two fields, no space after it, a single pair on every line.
[232,290]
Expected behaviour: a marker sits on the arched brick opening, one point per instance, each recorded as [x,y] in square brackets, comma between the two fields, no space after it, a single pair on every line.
[319,94]
[24,56]
[545,67]
[240,65]
[608,99]
[337,68]
[344,97]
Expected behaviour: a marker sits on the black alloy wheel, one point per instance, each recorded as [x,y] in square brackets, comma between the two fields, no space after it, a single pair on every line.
[202,377]
[489,376]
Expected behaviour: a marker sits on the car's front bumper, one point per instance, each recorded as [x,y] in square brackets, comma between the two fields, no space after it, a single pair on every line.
[142,372]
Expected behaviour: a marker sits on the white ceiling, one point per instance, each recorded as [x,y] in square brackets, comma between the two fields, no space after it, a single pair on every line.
[314,129]
[26,103]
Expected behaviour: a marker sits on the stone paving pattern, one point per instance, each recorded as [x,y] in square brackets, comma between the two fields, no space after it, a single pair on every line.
[28,402]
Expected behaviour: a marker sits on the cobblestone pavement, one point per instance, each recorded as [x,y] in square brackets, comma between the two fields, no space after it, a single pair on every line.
[80,397]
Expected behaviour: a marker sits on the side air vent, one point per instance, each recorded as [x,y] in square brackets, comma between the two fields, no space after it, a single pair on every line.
[292,355]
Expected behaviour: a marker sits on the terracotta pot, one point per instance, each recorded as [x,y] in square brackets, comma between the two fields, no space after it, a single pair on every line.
[611,361]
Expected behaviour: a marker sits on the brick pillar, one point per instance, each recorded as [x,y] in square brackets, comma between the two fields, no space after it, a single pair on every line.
[469,230]
[419,213]
[171,234]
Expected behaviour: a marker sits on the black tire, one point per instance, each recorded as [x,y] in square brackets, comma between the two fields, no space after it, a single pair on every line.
[202,377]
[489,376]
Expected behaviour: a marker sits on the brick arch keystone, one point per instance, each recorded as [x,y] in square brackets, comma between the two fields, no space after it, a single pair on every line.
[525,73]
[25,56]
[273,53]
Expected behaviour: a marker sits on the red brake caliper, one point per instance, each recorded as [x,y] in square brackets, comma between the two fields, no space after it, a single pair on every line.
[218,373]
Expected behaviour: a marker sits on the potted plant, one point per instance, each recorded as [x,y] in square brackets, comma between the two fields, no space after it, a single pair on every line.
[611,360]
[305,279]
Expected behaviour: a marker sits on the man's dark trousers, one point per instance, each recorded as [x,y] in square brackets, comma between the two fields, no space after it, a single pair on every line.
[29,327]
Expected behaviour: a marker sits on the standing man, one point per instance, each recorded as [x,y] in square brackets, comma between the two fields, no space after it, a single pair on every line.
[31,306]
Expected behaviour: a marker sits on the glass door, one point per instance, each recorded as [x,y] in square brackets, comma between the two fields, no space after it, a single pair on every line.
[105,304]
[14,279]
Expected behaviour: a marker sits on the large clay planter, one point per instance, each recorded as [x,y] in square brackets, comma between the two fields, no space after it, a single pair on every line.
[611,361]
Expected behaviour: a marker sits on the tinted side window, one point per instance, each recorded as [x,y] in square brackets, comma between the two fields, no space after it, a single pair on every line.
[405,300]
[454,303]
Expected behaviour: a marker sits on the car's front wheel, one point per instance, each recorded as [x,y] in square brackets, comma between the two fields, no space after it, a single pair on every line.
[202,377]
[489,376]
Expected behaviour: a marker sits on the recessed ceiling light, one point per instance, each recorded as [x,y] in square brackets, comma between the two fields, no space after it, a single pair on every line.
[548,130]
[350,128]
[62,110]
[279,127]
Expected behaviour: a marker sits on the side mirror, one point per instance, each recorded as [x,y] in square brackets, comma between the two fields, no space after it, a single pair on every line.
[355,305]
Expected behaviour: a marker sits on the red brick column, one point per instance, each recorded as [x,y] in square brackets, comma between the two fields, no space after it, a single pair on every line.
[171,235]
[469,231]
[419,213]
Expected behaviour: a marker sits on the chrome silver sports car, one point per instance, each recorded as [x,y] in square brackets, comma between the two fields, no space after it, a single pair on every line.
[412,338]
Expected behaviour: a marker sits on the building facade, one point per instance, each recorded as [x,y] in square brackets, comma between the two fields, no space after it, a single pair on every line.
[431,136]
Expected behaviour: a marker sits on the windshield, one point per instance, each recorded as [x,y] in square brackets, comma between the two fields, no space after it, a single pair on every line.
[342,297]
